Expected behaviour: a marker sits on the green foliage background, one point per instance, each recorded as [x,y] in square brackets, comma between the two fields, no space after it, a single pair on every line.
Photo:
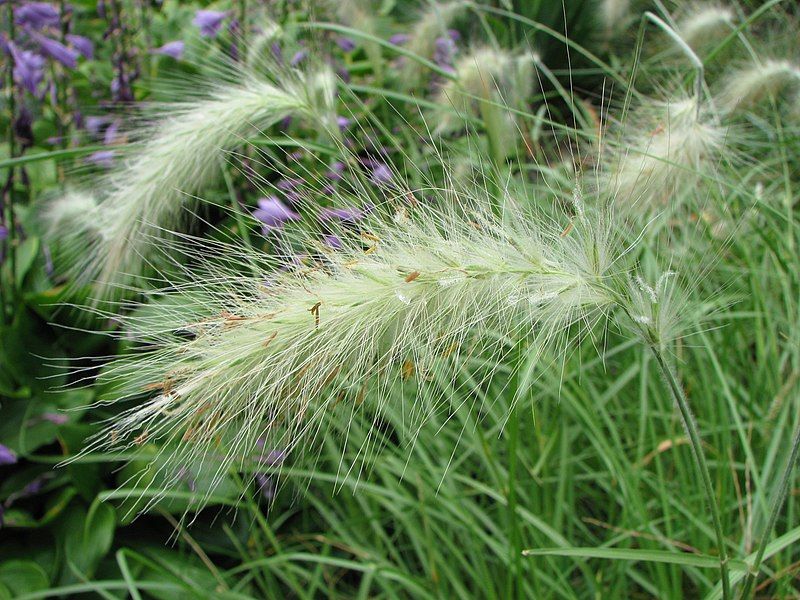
[593,463]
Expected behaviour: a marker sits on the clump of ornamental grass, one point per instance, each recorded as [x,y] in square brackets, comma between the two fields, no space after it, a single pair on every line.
[749,86]
[672,146]
[486,81]
[177,155]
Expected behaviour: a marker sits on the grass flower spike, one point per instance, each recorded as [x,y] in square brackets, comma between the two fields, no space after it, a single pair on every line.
[747,87]
[677,147]
[704,24]
[484,79]
[613,15]
[180,154]
[236,359]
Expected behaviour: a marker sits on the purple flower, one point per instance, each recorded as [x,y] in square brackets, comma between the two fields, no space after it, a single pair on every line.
[381,174]
[343,122]
[332,241]
[34,487]
[102,158]
[185,475]
[28,68]
[57,51]
[273,213]
[171,49]
[209,21]
[36,15]
[293,198]
[343,74]
[398,39]
[110,136]
[298,57]
[273,458]
[121,88]
[335,174]
[3,232]
[82,44]
[346,44]
[7,456]
[345,215]
[445,52]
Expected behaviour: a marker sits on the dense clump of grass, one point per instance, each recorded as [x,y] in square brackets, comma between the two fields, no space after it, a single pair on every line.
[434,325]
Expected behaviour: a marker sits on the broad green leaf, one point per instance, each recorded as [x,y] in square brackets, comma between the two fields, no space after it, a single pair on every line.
[22,576]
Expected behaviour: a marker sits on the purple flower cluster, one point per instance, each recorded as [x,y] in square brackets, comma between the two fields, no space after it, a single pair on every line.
[38,22]
[36,15]
[270,459]
[105,129]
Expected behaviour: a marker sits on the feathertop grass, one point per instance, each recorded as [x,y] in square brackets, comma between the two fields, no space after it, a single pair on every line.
[232,360]
[180,153]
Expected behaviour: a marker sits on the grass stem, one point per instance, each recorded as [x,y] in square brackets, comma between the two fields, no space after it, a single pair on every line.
[692,431]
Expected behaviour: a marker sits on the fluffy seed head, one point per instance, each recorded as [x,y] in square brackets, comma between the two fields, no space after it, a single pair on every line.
[179,155]
[747,87]
[613,15]
[704,24]
[672,146]
[485,75]
[656,308]
[232,359]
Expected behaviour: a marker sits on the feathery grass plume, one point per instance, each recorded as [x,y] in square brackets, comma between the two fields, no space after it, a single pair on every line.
[431,25]
[235,359]
[180,154]
[745,88]
[674,146]
[485,78]
[704,24]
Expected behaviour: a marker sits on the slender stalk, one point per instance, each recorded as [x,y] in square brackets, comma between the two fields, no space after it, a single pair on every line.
[777,504]
[692,431]
[513,580]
